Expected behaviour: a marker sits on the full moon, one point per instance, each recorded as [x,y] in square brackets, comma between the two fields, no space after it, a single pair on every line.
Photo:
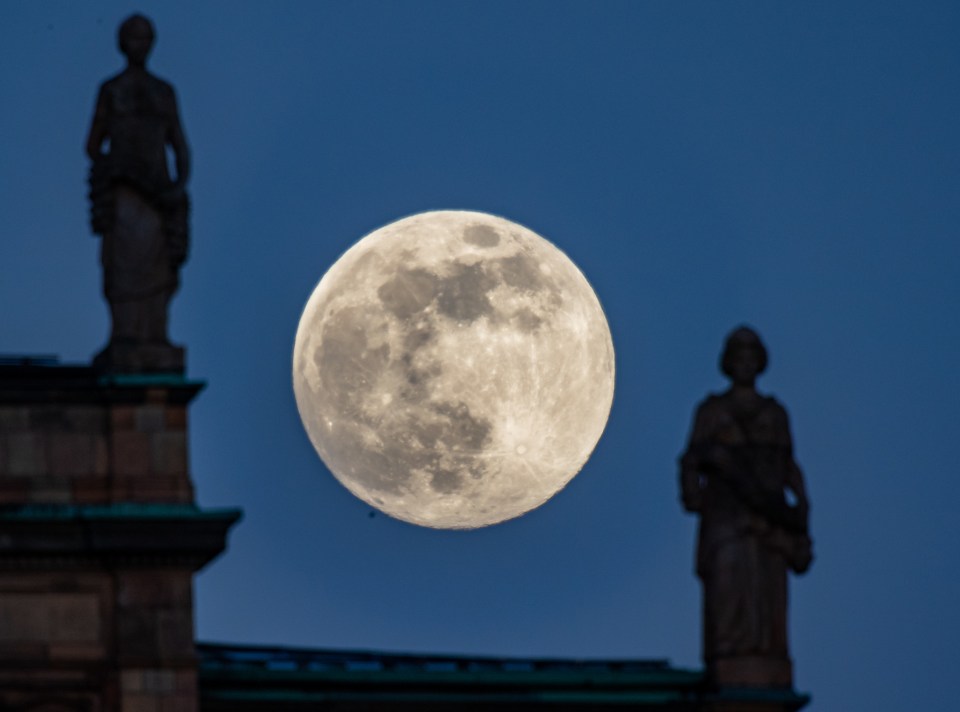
[453,369]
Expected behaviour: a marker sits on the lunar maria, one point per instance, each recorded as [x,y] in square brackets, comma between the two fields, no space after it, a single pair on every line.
[453,369]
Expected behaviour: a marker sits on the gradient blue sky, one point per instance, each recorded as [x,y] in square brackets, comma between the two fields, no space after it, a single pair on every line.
[790,165]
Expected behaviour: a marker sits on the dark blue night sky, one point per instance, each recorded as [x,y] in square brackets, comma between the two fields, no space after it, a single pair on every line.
[794,166]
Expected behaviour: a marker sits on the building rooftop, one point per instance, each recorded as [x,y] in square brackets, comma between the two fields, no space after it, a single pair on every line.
[257,677]
[244,678]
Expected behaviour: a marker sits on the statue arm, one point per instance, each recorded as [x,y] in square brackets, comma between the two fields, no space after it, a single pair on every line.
[181,151]
[98,127]
[794,477]
[796,485]
[690,484]
[691,465]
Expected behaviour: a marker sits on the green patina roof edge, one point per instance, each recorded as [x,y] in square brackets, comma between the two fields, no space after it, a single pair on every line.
[552,678]
[591,690]
[760,694]
[632,697]
[124,510]
[139,380]
[50,367]
[611,687]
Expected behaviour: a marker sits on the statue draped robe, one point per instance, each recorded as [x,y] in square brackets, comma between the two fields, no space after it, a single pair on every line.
[737,466]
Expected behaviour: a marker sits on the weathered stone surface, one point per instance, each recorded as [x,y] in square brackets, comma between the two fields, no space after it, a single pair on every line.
[753,671]
[26,455]
[68,452]
[42,678]
[84,419]
[130,453]
[20,651]
[153,681]
[101,455]
[50,618]
[168,454]
[182,702]
[155,588]
[155,616]
[14,490]
[175,634]
[50,490]
[176,416]
[71,454]
[123,417]
[14,418]
[150,418]
[140,703]
[186,679]
[155,636]
[76,652]
[90,490]
[151,489]
[96,582]
[165,689]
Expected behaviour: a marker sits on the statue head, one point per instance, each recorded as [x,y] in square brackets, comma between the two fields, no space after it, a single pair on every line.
[744,355]
[135,38]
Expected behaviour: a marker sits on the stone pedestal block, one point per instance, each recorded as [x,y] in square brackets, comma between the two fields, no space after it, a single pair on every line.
[752,671]
[71,435]
[119,357]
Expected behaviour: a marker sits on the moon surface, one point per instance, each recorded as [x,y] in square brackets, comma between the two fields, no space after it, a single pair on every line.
[453,369]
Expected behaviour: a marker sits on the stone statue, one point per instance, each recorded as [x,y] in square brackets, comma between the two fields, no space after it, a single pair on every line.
[739,474]
[137,208]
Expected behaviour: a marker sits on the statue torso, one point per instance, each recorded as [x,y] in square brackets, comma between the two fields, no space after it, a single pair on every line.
[140,111]
[755,438]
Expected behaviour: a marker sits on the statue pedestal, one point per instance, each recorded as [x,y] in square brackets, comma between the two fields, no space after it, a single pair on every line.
[752,671]
[752,683]
[752,700]
[118,357]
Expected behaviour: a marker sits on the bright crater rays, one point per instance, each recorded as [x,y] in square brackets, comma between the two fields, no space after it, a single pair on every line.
[453,369]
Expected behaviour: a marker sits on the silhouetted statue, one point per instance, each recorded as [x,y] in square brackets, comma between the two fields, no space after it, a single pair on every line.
[136,206]
[736,474]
